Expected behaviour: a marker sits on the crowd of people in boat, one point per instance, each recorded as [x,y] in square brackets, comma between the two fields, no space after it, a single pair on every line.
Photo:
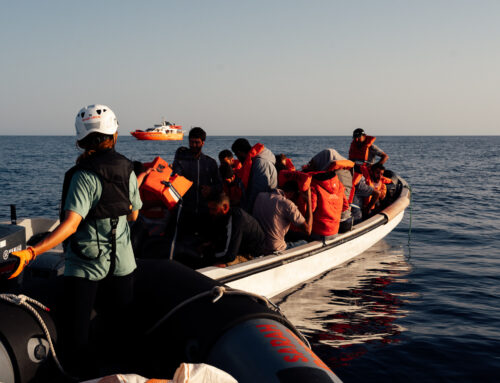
[252,203]
[255,202]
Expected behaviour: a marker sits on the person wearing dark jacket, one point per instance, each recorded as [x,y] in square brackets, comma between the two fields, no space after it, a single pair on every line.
[237,235]
[202,170]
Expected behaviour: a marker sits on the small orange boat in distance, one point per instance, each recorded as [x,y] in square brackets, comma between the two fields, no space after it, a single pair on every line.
[160,132]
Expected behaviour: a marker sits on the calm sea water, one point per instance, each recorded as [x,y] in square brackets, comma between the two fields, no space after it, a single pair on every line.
[420,306]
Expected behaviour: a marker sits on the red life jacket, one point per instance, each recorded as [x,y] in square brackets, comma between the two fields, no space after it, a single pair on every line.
[161,186]
[244,172]
[236,165]
[233,190]
[303,179]
[361,154]
[289,164]
[330,202]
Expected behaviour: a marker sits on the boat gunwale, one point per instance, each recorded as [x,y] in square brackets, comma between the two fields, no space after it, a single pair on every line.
[272,261]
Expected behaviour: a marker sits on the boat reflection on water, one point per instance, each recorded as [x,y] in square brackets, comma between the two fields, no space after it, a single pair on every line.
[348,308]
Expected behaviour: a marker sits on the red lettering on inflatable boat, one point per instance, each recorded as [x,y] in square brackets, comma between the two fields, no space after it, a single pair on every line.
[317,361]
[283,343]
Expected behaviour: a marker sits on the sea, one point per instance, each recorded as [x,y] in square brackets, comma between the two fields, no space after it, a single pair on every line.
[422,305]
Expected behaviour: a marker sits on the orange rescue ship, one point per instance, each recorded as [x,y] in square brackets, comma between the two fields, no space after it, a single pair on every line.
[163,131]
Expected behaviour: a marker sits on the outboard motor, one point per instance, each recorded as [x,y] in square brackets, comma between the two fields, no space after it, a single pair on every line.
[12,238]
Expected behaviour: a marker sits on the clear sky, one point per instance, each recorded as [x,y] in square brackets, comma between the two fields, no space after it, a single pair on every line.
[235,67]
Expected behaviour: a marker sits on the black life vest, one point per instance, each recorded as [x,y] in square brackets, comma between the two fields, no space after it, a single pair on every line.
[113,170]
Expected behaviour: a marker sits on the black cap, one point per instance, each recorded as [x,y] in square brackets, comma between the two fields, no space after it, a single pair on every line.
[358,133]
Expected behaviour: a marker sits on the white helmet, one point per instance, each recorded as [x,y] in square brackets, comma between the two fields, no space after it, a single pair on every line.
[95,118]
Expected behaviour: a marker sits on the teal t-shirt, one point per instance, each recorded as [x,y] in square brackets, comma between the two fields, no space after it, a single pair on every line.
[93,236]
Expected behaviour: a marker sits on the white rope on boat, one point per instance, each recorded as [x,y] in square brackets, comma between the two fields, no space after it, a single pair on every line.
[24,301]
[217,292]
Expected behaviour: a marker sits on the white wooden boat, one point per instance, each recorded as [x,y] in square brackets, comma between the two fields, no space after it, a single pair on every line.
[273,274]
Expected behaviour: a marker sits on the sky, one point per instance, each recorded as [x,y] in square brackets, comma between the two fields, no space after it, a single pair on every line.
[237,67]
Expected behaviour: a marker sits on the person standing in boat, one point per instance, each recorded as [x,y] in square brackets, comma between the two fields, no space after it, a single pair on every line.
[363,150]
[100,195]
[258,173]
[202,170]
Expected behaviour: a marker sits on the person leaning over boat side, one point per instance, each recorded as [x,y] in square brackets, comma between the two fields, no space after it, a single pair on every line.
[237,236]
[100,194]
[363,150]
[275,212]
[258,172]
[202,170]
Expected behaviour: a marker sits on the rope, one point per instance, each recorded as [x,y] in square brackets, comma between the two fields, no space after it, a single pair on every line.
[24,301]
[217,292]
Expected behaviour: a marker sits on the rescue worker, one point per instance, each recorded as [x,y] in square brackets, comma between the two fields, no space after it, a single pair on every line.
[258,173]
[100,194]
[363,150]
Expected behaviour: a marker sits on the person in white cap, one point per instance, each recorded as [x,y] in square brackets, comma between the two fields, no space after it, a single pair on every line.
[100,194]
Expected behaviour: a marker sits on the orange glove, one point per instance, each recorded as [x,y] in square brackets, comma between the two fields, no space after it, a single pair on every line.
[25,257]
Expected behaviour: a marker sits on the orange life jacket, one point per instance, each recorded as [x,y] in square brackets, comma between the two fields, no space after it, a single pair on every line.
[361,154]
[160,185]
[330,202]
[303,179]
[381,188]
[244,172]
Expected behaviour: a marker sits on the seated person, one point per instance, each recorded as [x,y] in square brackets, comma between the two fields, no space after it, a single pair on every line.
[226,156]
[330,159]
[237,235]
[283,163]
[370,190]
[275,212]
[258,172]
[330,202]
[231,185]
